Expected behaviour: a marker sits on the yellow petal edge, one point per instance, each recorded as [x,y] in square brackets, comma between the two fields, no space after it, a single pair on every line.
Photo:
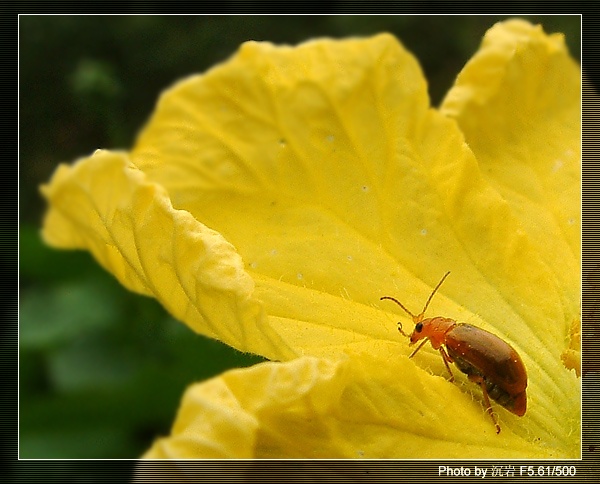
[106,205]
[315,408]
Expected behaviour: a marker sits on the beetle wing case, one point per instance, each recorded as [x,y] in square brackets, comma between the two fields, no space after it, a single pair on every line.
[492,358]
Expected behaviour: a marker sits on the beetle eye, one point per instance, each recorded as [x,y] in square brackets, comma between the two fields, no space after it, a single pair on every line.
[419,327]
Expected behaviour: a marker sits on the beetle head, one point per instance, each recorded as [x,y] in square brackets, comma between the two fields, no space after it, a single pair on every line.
[417,333]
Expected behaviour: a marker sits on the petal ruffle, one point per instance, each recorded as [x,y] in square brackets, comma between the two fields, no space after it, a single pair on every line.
[354,408]
[106,205]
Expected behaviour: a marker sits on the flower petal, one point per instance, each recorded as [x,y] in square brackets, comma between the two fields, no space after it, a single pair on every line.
[259,149]
[326,168]
[106,205]
[337,183]
[315,408]
[518,102]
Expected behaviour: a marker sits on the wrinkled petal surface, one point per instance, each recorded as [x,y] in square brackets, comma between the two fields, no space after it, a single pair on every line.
[288,189]
[314,408]
[106,205]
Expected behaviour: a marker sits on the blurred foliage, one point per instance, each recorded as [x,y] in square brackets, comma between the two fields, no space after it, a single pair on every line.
[102,370]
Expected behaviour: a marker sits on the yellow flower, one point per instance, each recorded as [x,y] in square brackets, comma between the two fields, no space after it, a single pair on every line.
[271,202]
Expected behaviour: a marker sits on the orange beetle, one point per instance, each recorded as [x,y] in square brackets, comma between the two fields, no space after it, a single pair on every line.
[484,357]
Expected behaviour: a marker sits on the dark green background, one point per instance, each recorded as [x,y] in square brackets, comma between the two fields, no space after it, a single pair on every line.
[102,370]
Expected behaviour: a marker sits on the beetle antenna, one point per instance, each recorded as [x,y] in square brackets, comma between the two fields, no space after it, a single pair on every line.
[398,303]
[433,292]
[417,318]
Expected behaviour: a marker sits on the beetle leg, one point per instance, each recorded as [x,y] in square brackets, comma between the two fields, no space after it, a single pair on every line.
[402,331]
[447,360]
[418,348]
[486,398]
